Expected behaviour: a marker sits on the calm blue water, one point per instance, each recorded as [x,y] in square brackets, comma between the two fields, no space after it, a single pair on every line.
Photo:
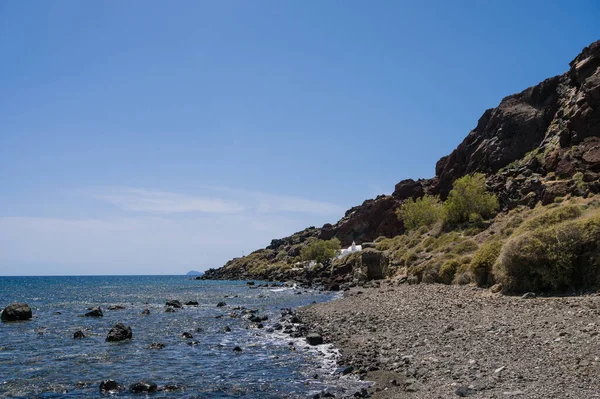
[40,359]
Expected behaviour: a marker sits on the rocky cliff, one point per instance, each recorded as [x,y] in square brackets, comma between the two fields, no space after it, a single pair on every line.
[535,146]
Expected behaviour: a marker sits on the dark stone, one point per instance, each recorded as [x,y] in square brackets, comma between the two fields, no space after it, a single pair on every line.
[16,312]
[109,386]
[78,334]
[174,304]
[142,386]
[408,189]
[116,307]
[237,349]
[226,329]
[146,312]
[347,370]
[119,333]
[169,310]
[528,295]
[463,391]
[192,303]
[95,312]
[186,335]
[156,345]
[221,304]
[171,388]
[314,339]
[376,262]
[250,283]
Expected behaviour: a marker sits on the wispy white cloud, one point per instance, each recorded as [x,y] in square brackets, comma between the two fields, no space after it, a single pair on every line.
[143,200]
[212,200]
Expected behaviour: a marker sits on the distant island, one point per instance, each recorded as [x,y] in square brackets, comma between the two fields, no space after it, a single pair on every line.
[194,273]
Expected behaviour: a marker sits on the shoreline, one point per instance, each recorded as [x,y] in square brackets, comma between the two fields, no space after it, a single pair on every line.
[432,340]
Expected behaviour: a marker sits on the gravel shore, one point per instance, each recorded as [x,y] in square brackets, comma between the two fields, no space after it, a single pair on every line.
[438,341]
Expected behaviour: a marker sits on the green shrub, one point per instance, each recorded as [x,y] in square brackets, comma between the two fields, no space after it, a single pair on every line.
[558,258]
[483,262]
[464,247]
[410,257]
[547,217]
[469,199]
[425,211]
[321,250]
[448,270]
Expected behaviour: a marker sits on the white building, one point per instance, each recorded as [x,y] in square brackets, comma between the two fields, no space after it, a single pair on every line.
[351,249]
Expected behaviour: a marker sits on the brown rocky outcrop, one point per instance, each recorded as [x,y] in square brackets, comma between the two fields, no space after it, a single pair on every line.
[535,146]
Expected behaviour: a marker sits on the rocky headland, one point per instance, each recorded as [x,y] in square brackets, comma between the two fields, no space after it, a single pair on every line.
[538,149]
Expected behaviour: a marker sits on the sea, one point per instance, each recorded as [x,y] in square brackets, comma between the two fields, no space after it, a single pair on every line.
[40,358]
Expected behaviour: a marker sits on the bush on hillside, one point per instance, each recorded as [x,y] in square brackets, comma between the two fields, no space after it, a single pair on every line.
[559,258]
[469,200]
[448,270]
[321,250]
[483,262]
[425,211]
[548,217]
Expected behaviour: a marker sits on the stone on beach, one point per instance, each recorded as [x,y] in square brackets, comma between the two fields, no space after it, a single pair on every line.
[314,339]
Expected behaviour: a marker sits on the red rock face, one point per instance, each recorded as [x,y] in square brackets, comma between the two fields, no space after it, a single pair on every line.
[372,219]
[550,131]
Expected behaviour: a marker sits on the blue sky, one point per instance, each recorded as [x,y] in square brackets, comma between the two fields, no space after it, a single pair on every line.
[157,137]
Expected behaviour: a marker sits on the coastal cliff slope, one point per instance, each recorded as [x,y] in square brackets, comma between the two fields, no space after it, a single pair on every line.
[535,148]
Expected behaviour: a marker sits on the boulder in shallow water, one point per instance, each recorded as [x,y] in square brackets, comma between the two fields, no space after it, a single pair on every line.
[143,386]
[146,311]
[314,339]
[78,334]
[116,307]
[156,345]
[110,386]
[119,333]
[221,304]
[192,303]
[95,312]
[174,304]
[17,311]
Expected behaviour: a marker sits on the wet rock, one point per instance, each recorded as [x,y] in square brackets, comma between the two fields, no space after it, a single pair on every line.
[142,386]
[78,334]
[528,295]
[226,329]
[146,312]
[174,304]
[16,312]
[109,386]
[314,339]
[192,303]
[237,349]
[116,307]
[186,335]
[221,304]
[169,310]
[95,312]
[250,283]
[119,333]
[156,345]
